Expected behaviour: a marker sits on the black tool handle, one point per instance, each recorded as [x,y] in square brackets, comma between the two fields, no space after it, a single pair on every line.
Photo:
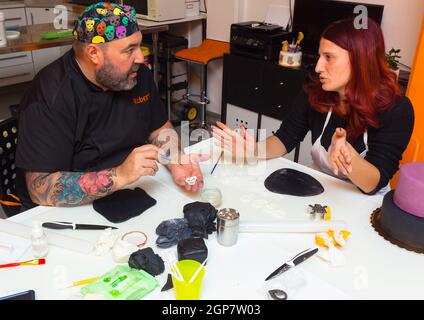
[57,226]
[302,257]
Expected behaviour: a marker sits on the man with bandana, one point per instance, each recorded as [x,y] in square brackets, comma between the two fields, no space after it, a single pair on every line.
[92,122]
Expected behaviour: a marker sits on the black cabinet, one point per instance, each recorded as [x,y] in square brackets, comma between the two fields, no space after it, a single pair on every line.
[281,86]
[242,81]
[260,86]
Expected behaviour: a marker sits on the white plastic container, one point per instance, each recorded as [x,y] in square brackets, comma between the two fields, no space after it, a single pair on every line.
[40,246]
[54,238]
[290,59]
[3,41]
[192,8]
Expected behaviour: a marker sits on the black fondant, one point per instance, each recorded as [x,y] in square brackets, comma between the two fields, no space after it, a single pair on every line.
[192,249]
[147,260]
[401,225]
[123,204]
[293,182]
[200,217]
[168,285]
[171,231]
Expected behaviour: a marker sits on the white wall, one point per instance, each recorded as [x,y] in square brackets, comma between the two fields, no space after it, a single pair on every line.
[221,14]
[401,21]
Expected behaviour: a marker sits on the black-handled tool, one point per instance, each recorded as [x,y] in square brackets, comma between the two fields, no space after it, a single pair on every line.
[300,257]
[60,225]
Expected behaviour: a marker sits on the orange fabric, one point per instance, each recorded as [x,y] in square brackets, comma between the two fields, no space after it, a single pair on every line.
[414,152]
[410,155]
[415,92]
[207,51]
[10,203]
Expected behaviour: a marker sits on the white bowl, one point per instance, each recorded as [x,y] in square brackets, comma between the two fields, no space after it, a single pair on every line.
[11,34]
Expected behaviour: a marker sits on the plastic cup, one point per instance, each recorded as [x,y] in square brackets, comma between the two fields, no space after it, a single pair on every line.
[212,195]
[185,290]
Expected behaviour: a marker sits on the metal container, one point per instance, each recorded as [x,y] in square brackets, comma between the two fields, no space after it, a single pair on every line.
[227,226]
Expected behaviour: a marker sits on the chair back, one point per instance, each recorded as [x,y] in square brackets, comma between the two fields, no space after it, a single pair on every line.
[8,140]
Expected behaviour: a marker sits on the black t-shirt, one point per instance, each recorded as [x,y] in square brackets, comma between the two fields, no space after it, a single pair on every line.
[385,144]
[66,123]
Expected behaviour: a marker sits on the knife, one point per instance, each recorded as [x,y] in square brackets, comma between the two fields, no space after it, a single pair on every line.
[59,225]
[300,257]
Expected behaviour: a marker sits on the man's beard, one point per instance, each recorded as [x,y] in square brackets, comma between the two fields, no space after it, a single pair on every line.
[110,78]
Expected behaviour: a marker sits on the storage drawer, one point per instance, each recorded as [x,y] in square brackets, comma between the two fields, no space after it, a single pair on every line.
[237,116]
[269,126]
[15,17]
[282,87]
[243,81]
[13,59]
[16,74]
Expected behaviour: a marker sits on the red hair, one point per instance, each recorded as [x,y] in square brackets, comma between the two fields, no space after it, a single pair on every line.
[372,87]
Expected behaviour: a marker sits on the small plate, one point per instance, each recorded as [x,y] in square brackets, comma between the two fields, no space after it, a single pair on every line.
[11,34]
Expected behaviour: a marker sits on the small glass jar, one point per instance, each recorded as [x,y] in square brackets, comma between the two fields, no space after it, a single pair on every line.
[40,245]
[212,195]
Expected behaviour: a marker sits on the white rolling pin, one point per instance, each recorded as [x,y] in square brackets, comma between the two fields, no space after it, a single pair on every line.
[290,226]
[53,238]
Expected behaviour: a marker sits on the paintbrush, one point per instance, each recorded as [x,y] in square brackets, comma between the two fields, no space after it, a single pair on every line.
[220,156]
[34,262]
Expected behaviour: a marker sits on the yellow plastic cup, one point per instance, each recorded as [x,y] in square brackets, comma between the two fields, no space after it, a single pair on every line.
[185,290]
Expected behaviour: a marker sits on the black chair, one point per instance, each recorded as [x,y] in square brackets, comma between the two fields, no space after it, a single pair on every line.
[14,110]
[8,139]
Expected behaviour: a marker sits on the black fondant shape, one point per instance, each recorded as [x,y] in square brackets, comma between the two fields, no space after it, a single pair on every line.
[293,182]
[168,285]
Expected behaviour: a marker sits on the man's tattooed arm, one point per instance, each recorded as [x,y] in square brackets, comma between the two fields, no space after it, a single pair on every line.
[68,189]
[167,139]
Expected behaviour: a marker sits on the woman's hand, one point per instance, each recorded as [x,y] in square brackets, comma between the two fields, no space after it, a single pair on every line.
[240,144]
[339,153]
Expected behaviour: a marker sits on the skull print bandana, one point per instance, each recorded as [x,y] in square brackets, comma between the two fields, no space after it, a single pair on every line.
[104,22]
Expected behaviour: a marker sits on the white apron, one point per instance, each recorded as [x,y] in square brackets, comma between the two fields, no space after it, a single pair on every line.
[322,163]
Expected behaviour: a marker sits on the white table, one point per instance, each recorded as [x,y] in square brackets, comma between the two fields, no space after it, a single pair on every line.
[375,268]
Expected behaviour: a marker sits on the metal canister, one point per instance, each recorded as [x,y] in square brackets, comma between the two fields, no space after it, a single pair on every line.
[227,226]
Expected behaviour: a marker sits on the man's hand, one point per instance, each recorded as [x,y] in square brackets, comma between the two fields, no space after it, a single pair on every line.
[339,153]
[140,162]
[188,167]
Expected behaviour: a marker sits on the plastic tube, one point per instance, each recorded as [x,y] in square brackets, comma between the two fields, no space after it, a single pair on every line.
[53,238]
[289,226]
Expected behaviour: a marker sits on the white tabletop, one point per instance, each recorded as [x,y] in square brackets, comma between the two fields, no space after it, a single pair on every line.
[374,269]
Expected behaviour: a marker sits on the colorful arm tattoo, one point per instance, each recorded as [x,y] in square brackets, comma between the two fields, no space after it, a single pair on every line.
[167,139]
[70,188]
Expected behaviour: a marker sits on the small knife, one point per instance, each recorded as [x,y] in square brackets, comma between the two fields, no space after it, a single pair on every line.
[59,225]
[300,257]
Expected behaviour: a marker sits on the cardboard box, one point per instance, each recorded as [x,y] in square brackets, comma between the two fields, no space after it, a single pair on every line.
[192,8]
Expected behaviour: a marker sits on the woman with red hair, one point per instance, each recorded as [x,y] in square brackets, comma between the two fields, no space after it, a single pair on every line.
[360,124]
